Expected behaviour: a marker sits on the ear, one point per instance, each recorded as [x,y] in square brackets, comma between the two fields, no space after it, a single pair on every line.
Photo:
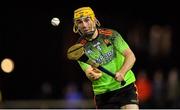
[97,22]
[75,29]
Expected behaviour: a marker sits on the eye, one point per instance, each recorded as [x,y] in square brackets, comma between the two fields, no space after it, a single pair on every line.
[79,21]
[87,19]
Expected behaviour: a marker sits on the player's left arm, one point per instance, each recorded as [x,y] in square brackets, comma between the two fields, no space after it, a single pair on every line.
[127,65]
[129,58]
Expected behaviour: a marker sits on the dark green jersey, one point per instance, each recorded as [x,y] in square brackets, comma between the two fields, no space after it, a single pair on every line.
[107,50]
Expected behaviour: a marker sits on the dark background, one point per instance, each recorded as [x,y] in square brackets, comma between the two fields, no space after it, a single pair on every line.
[39,49]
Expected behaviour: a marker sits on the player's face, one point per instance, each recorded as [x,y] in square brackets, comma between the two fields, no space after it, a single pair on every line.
[85,25]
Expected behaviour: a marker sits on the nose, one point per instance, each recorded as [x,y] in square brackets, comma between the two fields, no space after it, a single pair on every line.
[84,24]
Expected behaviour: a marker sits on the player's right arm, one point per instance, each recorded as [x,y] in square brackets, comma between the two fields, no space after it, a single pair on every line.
[91,72]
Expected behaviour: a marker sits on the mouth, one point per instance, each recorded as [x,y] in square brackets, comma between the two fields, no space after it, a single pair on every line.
[86,31]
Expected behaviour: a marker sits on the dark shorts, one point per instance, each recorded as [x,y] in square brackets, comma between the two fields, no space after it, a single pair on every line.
[118,98]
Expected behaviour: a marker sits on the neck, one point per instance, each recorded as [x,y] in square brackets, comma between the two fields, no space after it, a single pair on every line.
[95,34]
[92,36]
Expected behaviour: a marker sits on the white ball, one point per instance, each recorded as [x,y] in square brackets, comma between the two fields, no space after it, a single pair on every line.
[7,65]
[55,21]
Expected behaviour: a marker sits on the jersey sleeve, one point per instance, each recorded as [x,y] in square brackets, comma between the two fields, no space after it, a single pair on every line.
[119,43]
[83,65]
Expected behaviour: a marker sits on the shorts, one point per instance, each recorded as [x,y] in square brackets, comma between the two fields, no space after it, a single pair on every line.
[117,98]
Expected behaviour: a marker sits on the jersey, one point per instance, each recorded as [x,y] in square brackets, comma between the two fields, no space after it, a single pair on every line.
[106,49]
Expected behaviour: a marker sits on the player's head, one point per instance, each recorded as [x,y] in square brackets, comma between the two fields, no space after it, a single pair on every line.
[85,21]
